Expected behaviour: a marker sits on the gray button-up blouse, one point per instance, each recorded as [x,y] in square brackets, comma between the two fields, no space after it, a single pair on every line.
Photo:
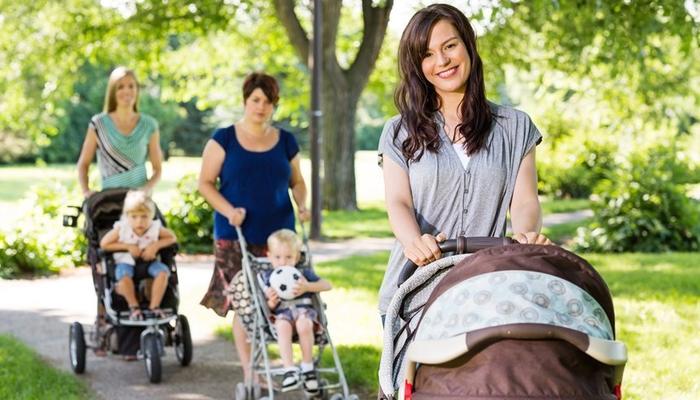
[457,201]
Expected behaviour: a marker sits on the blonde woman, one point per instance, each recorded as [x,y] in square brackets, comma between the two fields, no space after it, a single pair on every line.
[122,138]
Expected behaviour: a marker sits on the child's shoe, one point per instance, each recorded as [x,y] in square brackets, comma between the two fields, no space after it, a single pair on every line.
[290,380]
[135,313]
[310,381]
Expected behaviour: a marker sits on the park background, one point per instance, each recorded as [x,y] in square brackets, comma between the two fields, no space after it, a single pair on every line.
[614,86]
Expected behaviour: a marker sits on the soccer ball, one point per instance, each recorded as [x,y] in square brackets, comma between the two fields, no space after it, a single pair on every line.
[283,280]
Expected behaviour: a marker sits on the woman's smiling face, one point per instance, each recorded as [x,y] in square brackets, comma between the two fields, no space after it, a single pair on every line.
[446,64]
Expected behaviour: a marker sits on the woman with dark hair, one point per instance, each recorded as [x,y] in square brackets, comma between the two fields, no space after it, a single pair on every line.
[255,165]
[454,163]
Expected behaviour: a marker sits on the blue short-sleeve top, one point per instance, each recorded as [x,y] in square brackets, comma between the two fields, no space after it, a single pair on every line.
[257,181]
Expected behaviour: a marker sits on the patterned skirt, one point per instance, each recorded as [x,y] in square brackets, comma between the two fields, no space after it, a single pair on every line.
[227,263]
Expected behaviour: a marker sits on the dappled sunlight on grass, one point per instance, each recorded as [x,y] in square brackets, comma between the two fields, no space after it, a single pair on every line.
[657,305]
[355,273]
[671,276]
[664,350]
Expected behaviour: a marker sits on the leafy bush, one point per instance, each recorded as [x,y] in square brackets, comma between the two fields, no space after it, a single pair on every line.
[191,218]
[38,243]
[573,169]
[642,208]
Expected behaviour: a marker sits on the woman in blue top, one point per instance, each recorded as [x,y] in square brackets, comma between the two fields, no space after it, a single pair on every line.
[122,138]
[256,164]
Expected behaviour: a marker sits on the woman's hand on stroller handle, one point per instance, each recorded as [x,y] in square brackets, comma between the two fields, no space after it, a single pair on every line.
[424,248]
[460,245]
[531,238]
[236,216]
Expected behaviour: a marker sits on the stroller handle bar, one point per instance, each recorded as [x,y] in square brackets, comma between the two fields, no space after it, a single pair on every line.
[460,245]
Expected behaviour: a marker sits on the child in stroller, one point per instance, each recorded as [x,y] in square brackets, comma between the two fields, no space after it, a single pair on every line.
[138,235]
[297,314]
[117,328]
[250,294]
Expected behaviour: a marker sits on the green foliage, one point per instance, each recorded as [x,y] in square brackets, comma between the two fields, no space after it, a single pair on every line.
[574,168]
[39,244]
[642,208]
[24,375]
[191,218]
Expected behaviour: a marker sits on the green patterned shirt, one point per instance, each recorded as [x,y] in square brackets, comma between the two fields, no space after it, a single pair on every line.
[122,158]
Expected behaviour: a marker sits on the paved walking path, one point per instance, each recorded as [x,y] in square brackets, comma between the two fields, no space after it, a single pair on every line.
[40,311]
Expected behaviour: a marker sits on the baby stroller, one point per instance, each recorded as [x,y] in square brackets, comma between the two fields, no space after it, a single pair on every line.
[249,302]
[508,322]
[117,331]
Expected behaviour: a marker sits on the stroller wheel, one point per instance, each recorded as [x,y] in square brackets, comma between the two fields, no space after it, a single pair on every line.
[183,341]
[241,392]
[151,358]
[77,348]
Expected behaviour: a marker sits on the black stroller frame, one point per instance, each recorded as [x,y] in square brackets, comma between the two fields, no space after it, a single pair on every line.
[262,332]
[169,329]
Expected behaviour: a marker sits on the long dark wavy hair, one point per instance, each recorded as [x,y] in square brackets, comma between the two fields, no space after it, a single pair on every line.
[416,98]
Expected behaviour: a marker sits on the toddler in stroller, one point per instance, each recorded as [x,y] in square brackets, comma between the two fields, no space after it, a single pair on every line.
[271,312]
[295,314]
[135,322]
[138,235]
[509,322]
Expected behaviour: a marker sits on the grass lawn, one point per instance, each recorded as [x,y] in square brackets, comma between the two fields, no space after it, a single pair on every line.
[657,303]
[23,375]
[553,206]
[561,234]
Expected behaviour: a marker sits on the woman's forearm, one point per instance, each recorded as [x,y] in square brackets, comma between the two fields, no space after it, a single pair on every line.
[155,178]
[215,199]
[83,178]
[526,217]
[299,194]
[403,223]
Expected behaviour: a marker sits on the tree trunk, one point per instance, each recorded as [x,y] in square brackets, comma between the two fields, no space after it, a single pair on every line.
[341,90]
[340,106]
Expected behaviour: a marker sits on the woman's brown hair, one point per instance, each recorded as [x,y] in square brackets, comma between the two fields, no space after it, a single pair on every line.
[111,94]
[416,98]
[266,83]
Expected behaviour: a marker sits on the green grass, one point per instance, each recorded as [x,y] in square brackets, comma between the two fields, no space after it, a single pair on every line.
[369,221]
[23,375]
[657,304]
[553,206]
[562,233]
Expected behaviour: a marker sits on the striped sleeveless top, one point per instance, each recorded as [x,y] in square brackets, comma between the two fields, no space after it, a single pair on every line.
[121,158]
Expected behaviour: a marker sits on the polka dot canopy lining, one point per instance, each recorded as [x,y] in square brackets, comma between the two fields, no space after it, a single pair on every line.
[512,297]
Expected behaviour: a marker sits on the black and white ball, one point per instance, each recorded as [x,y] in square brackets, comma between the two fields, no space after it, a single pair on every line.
[283,280]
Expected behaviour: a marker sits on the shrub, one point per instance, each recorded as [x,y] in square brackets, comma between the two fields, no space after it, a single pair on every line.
[573,169]
[38,243]
[642,208]
[191,218]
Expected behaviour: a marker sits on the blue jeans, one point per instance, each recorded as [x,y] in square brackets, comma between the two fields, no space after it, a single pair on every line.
[154,269]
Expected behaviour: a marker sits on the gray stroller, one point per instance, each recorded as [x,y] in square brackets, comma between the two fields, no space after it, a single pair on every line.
[508,322]
[249,303]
